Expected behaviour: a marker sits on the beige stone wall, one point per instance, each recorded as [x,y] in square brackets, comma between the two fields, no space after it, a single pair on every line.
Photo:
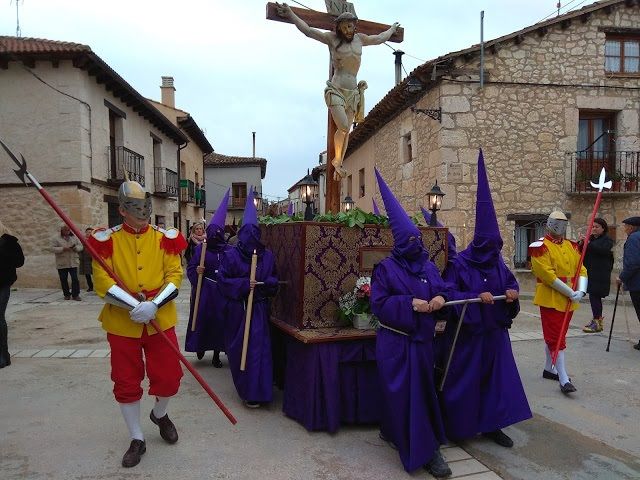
[64,139]
[524,128]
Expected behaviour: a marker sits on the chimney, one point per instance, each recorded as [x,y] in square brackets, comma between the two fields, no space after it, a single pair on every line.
[168,92]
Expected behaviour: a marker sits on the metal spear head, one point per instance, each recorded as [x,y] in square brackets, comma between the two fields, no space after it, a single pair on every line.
[22,166]
[601,183]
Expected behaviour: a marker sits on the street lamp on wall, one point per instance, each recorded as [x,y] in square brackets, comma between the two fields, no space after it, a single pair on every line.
[347,204]
[435,203]
[308,191]
[257,201]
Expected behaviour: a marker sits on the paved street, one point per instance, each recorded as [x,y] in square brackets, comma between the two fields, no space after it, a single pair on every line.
[58,419]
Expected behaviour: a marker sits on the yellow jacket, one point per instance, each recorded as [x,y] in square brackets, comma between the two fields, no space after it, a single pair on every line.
[551,260]
[145,262]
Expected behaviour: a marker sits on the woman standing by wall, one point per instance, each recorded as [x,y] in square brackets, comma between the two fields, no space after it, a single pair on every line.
[599,263]
[11,257]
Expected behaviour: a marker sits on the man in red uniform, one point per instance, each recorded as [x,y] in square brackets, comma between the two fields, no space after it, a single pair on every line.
[554,261]
[147,259]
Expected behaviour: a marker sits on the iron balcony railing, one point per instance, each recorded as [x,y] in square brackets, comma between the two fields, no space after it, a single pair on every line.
[623,169]
[166,182]
[201,198]
[122,159]
[187,191]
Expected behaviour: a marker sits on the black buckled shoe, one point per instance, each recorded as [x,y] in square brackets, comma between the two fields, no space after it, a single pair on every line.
[550,375]
[567,388]
[499,437]
[168,430]
[637,345]
[438,467]
[132,456]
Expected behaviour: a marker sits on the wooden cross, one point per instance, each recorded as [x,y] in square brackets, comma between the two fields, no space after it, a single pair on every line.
[326,21]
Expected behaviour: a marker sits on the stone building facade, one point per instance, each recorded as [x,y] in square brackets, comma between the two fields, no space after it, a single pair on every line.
[237,174]
[79,126]
[190,163]
[559,101]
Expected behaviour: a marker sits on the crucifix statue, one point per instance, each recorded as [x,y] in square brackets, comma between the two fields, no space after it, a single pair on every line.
[343,94]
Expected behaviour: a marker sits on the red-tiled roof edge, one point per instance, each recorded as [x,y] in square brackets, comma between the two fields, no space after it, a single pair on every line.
[219,160]
[397,99]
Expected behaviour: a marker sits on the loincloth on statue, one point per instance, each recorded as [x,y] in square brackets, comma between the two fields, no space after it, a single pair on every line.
[351,100]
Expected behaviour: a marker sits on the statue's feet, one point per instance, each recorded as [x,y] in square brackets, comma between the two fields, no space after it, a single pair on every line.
[338,173]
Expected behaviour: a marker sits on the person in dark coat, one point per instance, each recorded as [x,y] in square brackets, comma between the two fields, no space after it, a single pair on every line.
[255,384]
[629,277]
[11,258]
[406,291]
[482,392]
[85,268]
[209,331]
[599,263]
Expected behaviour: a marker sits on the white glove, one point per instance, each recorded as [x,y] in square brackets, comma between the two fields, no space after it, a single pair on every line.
[577,296]
[144,313]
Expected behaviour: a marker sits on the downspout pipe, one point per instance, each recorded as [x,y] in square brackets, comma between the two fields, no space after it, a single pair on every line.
[180,147]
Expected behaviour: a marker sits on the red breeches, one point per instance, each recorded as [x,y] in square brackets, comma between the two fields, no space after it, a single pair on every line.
[552,327]
[128,366]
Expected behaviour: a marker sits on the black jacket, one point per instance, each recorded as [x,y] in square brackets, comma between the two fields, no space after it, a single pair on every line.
[599,264]
[11,257]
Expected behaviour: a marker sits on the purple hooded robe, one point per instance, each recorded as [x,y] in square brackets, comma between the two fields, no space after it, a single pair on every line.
[411,417]
[209,332]
[255,383]
[483,391]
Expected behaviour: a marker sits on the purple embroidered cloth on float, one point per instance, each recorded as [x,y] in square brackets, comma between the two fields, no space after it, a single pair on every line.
[330,384]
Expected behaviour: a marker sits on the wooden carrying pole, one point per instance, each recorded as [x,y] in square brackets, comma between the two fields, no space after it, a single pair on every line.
[247,319]
[196,300]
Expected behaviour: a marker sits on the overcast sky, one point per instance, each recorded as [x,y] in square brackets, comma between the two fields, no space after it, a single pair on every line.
[237,72]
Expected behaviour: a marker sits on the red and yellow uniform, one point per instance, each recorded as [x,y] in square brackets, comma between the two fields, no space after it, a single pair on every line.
[553,259]
[145,261]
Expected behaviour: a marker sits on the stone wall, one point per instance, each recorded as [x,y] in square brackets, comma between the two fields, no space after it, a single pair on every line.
[526,120]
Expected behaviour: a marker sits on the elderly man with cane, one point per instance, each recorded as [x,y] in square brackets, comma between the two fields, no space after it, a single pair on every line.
[629,277]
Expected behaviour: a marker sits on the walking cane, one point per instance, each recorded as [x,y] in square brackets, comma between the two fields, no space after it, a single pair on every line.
[615,306]
[455,338]
[247,319]
[196,300]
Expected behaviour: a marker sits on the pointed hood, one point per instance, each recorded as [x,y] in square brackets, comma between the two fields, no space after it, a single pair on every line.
[290,209]
[215,229]
[376,210]
[408,249]
[484,249]
[249,233]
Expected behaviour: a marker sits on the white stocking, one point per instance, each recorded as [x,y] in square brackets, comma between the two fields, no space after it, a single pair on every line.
[160,408]
[562,373]
[548,366]
[131,414]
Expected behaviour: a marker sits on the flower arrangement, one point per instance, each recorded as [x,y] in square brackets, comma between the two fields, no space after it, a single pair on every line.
[357,302]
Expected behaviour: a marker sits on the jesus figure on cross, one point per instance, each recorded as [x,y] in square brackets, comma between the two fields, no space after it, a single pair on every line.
[344,95]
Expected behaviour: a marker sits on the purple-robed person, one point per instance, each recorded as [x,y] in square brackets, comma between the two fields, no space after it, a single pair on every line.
[406,290]
[255,383]
[209,332]
[483,392]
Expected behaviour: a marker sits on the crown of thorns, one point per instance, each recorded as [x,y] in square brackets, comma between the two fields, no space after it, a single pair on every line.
[346,17]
